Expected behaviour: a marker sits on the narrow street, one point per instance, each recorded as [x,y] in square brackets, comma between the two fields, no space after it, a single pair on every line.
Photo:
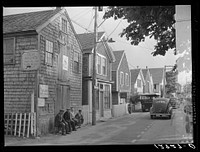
[136,128]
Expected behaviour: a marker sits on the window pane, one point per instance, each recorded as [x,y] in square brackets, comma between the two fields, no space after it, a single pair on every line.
[64,25]
[8,47]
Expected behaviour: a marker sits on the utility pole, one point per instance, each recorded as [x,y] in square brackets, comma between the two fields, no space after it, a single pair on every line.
[94,71]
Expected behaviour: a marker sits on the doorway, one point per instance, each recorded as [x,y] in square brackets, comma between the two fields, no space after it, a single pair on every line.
[62,98]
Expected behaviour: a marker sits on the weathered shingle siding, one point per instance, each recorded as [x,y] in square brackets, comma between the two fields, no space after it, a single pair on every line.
[125,69]
[19,84]
[49,75]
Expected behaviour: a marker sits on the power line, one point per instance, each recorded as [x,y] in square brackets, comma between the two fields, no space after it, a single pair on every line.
[115,27]
[80,25]
[83,14]
[80,13]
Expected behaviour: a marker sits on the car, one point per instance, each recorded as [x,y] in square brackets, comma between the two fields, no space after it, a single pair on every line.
[174,102]
[161,107]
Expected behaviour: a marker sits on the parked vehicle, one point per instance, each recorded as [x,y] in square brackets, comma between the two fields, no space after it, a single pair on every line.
[161,107]
[174,102]
[146,100]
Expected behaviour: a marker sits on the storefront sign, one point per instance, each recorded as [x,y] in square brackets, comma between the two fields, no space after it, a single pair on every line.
[41,102]
[30,60]
[65,62]
[43,91]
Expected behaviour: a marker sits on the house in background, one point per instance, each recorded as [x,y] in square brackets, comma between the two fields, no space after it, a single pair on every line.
[104,60]
[42,65]
[121,77]
[148,87]
[159,80]
[137,81]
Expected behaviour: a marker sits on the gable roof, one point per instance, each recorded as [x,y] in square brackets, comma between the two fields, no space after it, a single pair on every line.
[87,39]
[134,74]
[157,74]
[26,21]
[144,72]
[118,56]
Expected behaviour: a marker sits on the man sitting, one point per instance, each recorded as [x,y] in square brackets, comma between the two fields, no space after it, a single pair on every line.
[79,117]
[59,122]
[68,119]
[73,116]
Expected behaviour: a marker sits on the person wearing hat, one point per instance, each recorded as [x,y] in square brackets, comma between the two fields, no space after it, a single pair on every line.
[68,119]
[73,116]
[59,122]
[79,117]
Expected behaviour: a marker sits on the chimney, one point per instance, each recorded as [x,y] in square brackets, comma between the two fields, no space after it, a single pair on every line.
[146,67]
[59,8]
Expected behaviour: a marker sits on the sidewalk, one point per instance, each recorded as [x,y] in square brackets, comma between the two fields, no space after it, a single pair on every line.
[83,135]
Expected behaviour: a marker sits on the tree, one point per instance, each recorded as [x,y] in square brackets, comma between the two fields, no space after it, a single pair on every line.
[153,21]
[171,78]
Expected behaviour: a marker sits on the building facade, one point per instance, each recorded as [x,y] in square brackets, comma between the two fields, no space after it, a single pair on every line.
[104,59]
[42,65]
[121,76]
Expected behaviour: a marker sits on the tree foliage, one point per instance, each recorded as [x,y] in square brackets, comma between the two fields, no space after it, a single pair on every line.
[153,21]
[171,78]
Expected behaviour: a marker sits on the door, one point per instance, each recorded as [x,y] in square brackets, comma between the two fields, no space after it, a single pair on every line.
[101,105]
[62,98]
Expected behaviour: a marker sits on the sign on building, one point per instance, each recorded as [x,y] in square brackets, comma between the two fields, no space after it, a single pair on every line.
[65,62]
[43,91]
[30,60]
[41,102]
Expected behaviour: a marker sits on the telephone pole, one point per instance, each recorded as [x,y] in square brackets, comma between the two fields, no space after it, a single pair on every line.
[94,71]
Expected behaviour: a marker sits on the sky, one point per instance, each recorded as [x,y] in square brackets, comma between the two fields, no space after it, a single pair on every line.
[136,55]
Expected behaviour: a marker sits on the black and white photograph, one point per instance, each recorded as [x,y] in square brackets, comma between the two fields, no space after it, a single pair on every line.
[98,75]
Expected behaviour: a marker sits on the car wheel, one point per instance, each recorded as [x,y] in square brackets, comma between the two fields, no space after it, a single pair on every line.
[169,117]
[152,117]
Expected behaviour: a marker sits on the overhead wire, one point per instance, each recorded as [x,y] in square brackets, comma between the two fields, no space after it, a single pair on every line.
[82,14]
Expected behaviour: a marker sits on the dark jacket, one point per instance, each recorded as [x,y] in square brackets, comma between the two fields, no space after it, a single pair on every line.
[58,119]
[67,116]
[79,117]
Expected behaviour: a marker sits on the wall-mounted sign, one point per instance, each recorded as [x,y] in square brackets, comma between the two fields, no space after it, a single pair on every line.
[41,102]
[43,91]
[65,62]
[30,60]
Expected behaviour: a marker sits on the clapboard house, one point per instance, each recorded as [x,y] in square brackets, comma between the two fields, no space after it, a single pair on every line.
[42,66]
[104,60]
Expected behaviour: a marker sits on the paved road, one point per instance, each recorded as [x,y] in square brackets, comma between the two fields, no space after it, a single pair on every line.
[136,128]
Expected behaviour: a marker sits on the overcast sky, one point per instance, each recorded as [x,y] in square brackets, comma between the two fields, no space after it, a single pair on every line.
[136,55]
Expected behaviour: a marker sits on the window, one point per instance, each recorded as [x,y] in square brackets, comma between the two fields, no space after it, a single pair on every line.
[107,97]
[8,50]
[121,78]
[98,64]
[49,53]
[154,86]
[139,83]
[103,66]
[97,99]
[127,79]
[64,25]
[76,62]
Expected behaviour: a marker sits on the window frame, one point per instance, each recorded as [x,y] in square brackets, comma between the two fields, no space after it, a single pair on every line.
[121,78]
[127,79]
[78,62]
[47,53]
[64,29]
[139,83]
[13,53]
[102,67]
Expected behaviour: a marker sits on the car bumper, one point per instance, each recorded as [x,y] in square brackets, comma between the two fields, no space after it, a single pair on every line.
[161,114]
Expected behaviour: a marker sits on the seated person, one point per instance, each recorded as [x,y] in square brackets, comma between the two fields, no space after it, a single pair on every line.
[79,117]
[68,119]
[73,116]
[59,122]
